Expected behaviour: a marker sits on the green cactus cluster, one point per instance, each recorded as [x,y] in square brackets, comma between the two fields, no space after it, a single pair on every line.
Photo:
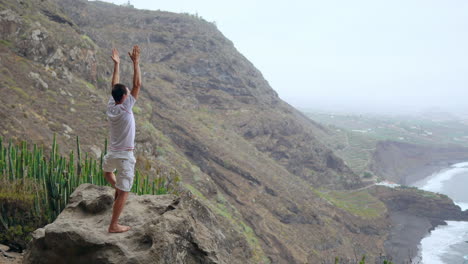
[35,187]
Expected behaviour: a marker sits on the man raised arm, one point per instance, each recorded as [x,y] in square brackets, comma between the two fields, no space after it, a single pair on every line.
[135,56]
[116,76]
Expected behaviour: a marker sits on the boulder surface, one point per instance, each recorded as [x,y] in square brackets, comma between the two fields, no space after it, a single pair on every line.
[165,229]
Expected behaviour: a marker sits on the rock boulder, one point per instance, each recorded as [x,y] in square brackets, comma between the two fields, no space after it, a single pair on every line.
[165,229]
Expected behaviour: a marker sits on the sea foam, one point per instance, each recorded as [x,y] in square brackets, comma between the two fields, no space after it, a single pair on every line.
[439,243]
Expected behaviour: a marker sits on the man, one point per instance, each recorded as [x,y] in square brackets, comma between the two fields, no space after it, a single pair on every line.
[122,137]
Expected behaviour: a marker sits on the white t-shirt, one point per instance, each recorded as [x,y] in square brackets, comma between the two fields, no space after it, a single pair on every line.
[122,124]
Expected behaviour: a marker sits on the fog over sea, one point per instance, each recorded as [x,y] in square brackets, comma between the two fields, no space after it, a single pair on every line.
[447,244]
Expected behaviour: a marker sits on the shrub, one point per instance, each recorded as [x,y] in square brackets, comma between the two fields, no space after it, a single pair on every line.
[17,220]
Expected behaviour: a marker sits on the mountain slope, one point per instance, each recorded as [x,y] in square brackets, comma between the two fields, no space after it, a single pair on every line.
[204,110]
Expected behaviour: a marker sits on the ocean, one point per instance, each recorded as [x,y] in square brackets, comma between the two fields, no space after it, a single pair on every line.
[447,244]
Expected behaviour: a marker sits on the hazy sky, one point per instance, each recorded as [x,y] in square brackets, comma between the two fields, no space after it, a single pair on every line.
[371,55]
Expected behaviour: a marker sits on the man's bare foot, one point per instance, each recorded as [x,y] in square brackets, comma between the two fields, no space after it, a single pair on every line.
[118,229]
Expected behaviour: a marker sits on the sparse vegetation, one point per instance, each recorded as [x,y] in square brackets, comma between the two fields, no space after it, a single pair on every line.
[423,192]
[359,203]
[136,110]
[88,40]
[147,126]
[20,92]
[89,85]
[5,43]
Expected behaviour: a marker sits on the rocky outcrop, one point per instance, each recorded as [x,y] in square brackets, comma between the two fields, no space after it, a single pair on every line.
[62,50]
[165,229]
[7,256]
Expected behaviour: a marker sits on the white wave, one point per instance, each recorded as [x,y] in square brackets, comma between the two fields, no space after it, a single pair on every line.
[460,165]
[436,181]
[463,206]
[439,241]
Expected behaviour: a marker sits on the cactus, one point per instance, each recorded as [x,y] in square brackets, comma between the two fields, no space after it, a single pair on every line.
[78,161]
[44,184]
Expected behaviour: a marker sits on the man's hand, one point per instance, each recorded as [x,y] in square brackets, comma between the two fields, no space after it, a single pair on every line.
[135,54]
[115,56]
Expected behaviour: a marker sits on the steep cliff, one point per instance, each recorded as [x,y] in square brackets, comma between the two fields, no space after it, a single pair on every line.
[407,163]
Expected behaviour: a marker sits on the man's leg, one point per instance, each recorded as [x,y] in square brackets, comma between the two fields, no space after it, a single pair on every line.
[119,203]
[124,181]
[110,177]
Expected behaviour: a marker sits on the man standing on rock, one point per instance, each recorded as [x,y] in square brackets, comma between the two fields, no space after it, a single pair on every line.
[122,137]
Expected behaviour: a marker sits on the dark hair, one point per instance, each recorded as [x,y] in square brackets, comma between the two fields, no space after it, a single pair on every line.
[118,92]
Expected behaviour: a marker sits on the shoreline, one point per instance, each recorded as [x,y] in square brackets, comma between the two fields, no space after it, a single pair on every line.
[408,230]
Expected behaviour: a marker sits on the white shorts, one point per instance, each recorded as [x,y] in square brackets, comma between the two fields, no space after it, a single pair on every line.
[124,163]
